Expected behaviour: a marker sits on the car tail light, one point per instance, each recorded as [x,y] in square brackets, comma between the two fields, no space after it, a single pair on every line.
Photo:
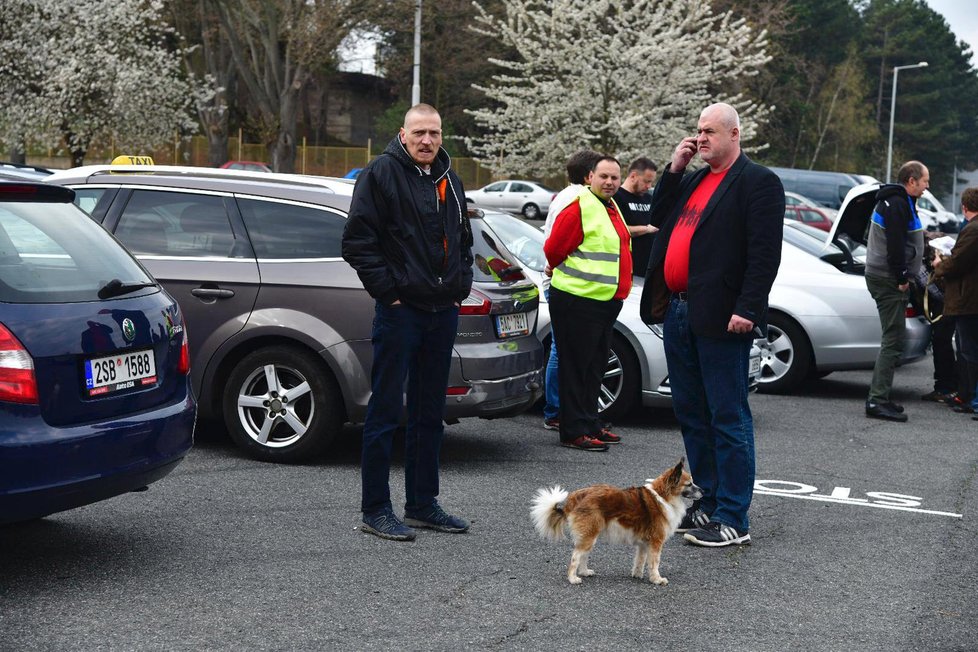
[912,312]
[457,391]
[475,304]
[183,364]
[17,381]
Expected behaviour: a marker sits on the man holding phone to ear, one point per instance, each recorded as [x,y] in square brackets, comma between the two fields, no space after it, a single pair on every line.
[710,272]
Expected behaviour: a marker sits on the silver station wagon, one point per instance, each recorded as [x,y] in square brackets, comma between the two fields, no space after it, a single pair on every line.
[279,324]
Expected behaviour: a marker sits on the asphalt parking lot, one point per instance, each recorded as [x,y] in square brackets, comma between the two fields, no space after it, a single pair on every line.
[864,539]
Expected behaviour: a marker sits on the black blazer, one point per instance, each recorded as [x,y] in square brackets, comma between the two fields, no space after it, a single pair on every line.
[735,251]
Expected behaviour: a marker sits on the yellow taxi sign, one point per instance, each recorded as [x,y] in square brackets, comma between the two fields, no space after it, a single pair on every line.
[132,160]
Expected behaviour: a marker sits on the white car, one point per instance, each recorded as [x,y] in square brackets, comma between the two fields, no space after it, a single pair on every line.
[822,317]
[526,198]
[637,361]
[934,216]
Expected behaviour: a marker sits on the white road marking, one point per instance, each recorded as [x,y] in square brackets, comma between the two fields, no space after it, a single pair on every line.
[840,495]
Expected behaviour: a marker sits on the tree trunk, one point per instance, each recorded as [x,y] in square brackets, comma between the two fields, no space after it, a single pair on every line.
[283,148]
[17,154]
[217,146]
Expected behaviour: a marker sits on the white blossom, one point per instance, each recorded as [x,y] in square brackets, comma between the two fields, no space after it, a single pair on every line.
[90,71]
[625,77]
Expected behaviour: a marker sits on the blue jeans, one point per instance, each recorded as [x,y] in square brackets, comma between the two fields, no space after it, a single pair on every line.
[709,379]
[417,346]
[551,409]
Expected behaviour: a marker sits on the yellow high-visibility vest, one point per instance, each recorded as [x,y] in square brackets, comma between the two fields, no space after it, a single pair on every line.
[591,270]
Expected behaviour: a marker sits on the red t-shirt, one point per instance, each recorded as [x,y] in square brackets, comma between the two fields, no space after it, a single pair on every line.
[676,267]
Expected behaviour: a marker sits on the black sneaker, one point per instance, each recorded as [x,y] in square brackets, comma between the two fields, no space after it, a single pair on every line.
[934,396]
[693,519]
[716,535]
[896,407]
[884,411]
[386,525]
[435,518]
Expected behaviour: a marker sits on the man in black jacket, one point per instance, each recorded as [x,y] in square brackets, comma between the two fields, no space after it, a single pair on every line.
[894,249]
[710,272]
[409,238]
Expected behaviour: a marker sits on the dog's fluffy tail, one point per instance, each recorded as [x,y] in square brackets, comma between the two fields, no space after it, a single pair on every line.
[548,514]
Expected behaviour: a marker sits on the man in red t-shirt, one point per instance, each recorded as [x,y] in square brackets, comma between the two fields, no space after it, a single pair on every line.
[710,272]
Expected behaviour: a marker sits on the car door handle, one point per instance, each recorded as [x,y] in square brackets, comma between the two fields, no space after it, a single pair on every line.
[212,293]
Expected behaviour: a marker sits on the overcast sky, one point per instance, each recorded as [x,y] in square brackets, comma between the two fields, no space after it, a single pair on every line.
[962,16]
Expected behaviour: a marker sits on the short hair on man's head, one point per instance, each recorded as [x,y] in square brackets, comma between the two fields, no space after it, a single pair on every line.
[605,157]
[969,199]
[726,113]
[580,164]
[910,170]
[420,109]
[641,164]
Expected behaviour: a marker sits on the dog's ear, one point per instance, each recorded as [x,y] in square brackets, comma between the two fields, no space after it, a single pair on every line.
[676,476]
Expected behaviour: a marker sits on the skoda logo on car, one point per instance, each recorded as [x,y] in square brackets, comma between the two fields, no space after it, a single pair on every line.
[128,329]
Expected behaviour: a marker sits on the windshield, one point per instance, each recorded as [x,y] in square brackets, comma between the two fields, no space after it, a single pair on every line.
[522,240]
[812,240]
[54,253]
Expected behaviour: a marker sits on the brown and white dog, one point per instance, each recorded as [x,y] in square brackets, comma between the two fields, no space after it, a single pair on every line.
[644,517]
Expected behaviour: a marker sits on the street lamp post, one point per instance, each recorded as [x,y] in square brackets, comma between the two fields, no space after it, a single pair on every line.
[416,86]
[889,147]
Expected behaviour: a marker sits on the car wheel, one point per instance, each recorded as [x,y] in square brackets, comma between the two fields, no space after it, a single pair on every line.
[786,356]
[619,387]
[531,212]
[282,406]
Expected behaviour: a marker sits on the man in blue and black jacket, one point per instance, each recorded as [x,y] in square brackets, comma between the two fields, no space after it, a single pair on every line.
[894,250]
[409,239]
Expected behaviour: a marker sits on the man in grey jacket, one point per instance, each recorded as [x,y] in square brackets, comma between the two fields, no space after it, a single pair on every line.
[894,251]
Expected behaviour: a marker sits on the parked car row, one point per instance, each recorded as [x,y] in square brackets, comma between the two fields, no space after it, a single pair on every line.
[280,324]
[223,293]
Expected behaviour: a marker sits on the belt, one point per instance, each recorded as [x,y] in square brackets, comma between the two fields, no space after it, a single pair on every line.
[681,296]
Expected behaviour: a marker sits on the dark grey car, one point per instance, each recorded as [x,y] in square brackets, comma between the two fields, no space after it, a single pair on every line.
[279,324]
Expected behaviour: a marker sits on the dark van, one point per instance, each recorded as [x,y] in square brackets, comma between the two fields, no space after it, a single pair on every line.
[827,188]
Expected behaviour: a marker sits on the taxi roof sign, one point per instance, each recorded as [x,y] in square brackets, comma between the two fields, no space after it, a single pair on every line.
[132,160]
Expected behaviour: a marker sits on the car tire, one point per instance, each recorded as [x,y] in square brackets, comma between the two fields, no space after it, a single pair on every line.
[619,387]
[531,211]
[303,426]
[786,356]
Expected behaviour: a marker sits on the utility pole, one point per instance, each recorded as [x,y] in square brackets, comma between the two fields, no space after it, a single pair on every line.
[416,88]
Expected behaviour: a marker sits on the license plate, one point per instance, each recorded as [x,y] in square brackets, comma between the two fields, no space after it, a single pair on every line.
[114,373]
[512,325]
[755,365]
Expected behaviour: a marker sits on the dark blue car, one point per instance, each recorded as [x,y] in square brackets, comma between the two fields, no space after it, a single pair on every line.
[94,366]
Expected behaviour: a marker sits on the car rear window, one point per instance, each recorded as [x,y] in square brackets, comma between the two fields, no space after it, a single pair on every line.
[524,241]
[492,261]
[283,230]
[54,253]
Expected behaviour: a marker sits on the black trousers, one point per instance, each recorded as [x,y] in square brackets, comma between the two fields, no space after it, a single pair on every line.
[967,330]
[583,329]
[945,363]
